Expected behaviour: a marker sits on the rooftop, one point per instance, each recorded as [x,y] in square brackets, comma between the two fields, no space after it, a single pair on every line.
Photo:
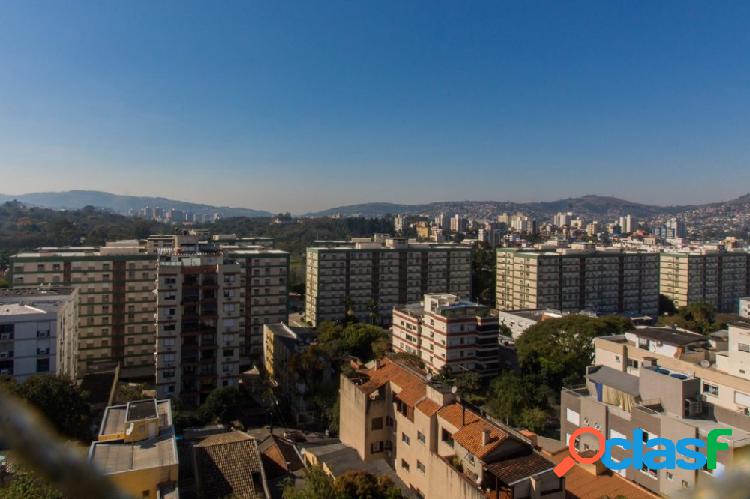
[20,309]
[229,465]
[120,457]
[116,417]
[471,430]
[616,379]
[514,469]
[668,335]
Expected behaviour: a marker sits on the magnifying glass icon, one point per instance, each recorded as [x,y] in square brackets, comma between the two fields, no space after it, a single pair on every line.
[570,460]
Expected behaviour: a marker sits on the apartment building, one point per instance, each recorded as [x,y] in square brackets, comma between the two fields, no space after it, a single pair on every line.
[709,274]
[448,333]
[200,316]
[601,280]
[438,446]
[669,383]
[32,321]
[265,273]
[367,278]
[137,449]
[115,303]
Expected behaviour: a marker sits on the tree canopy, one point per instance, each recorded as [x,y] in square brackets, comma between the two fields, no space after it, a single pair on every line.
[59,400]
[27,485]
[698,317]
[350,485]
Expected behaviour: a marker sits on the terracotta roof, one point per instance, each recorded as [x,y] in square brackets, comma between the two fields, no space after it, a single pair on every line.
[428,407]
[516,468]
[412,387]
[469,434]
[580,484]
[229,464]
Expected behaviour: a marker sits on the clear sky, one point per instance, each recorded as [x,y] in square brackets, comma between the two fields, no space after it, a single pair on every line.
[306,105]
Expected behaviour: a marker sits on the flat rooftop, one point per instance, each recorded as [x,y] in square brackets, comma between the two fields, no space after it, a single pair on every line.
[116,416]
[8,309]
[120,457]
[668,335]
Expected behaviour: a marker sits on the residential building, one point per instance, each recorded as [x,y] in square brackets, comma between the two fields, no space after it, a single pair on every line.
[601,280]
[115,302]
[673,229]
[32,321]
[707,274]
[437,445]
[137,449]
[229,465]
[626,224]
[669,383]
[368,278]
[200,317]
[745,307]
[518,321]
[280,344]
[562,219]
[458,223]
[448,333]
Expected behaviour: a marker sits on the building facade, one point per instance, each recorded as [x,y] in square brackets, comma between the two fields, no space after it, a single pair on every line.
[32,322]
[436,445]
[669,383]
[448,333]
[714,276]
[368,278]
[745,307]
[600,280]
[115,302]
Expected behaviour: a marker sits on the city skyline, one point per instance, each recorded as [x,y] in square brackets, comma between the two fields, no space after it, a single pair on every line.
[299,108]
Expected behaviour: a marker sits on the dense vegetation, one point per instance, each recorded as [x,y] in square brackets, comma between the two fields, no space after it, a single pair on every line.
[350,485]
[698,317]
[23,228]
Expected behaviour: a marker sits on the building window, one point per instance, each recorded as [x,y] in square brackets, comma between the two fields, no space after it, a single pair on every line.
[632,363]
[648,471]
[388,421]
[405,438]
[573,417]
[42,365]
[420,466]
[743,347]
[670,476]
[710,389]
[376,447]
[420,436]
[446,437]
[377,423]
[404,465]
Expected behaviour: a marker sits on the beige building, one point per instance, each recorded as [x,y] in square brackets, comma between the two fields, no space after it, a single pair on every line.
[444,330]
[669,383]
[437,446]
[710,275]
[601,280]
[115,303]
[367,278]
[137,449]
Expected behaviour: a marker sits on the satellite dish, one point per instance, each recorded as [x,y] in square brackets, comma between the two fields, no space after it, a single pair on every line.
[705,363]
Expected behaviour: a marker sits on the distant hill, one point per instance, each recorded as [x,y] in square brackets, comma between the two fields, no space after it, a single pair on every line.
[77,199]
[588,206]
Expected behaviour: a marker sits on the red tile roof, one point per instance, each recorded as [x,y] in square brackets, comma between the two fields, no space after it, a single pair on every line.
[412,387]
[514,469]
[470,429]
[428,407]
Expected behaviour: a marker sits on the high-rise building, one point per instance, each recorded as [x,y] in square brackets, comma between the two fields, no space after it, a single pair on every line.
[562,219]
[668,383]
[706,275]
[115,302]
[447,332]
[603,280]
[626,224]
[458,223]
[200,308]
[438,446]
[32,323]
[368,278]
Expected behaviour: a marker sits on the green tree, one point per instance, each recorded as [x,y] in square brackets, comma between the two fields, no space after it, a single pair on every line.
[361,485]
[507,396]
[27,485]
[223,404]
[698,317]
[318,485]
[59,400]
[533,418]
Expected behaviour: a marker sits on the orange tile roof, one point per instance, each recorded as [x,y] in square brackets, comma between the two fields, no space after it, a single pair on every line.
[428,407]
[580,484]
[513,469]
[412,387]
[470,428]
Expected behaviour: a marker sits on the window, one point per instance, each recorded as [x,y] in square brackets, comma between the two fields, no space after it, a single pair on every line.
[670,476]
[420,466]
[648,471]
[388,421]
[405,438]
[743,347]
[632,363]
[573,417]
[420,436]
[376,447]
[404,465]
[710,389]
[42,365]
[377,423]
[446,437]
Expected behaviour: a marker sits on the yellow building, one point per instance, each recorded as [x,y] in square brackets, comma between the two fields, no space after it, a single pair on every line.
[136,448]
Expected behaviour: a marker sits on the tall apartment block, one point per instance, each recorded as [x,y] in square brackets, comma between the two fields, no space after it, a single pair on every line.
[445,331]
[436,445]
[33,325]
[200,308]
[115,301]
[602,280]
[710,275]
[669,383]
[367,278]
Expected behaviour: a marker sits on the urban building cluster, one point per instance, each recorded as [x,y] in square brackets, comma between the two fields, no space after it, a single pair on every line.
[175,216]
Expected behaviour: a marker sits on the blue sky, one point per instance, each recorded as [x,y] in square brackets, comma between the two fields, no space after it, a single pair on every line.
[307,105]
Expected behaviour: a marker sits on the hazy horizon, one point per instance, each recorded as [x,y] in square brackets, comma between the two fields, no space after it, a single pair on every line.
[291,106]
